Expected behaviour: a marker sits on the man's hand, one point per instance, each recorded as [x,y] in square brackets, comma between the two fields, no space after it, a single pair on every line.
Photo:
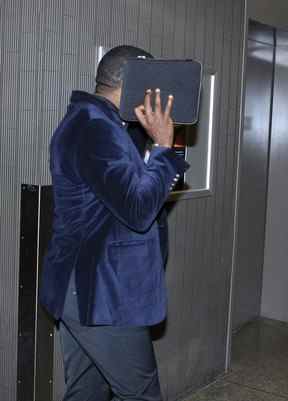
[158,124]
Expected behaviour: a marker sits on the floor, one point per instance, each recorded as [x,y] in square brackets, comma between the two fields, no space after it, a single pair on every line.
[259,370]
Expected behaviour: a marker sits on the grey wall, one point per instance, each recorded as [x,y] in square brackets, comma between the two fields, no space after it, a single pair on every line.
[270,12]
[275,272]
[48,48]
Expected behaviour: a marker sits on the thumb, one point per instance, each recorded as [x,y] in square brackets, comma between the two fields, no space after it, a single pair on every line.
[140,114]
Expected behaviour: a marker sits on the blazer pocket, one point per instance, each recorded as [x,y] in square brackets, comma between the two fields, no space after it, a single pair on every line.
[136,267]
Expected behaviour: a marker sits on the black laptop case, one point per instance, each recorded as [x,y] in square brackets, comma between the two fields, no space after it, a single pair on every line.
[181,78]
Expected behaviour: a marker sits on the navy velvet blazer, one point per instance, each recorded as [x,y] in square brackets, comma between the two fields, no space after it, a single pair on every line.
[107,206]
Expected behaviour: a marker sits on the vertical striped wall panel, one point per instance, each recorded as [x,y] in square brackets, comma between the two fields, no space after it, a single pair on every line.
[144,23]
[167,49]
[157,25]
[131,22]
[48,48]
[179,29]
[10,60]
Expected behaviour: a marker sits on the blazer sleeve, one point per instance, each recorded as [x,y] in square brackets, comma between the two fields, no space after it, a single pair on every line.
[134,195]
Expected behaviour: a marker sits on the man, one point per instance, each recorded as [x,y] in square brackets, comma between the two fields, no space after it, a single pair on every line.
[103,277]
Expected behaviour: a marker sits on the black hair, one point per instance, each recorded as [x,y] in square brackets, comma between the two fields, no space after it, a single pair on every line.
[110,68]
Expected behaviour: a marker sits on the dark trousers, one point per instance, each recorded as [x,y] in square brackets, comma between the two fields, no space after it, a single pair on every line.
[104,360]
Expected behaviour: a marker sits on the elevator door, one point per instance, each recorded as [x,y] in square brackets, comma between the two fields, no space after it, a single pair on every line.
[275,275]
[253,175]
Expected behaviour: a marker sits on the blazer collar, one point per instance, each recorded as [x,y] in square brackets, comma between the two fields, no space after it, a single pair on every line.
[99,101]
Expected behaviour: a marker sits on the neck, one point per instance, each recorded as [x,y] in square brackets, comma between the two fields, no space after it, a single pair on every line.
[112,96]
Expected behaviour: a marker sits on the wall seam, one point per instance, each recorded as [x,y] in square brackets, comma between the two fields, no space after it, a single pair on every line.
[236,207]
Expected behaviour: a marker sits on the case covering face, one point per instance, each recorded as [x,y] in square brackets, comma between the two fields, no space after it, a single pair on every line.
[181,78]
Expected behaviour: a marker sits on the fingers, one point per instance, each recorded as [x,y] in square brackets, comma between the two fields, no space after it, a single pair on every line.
[169,106]
[141,115]
[158,107]
[145,114]
[147,102]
